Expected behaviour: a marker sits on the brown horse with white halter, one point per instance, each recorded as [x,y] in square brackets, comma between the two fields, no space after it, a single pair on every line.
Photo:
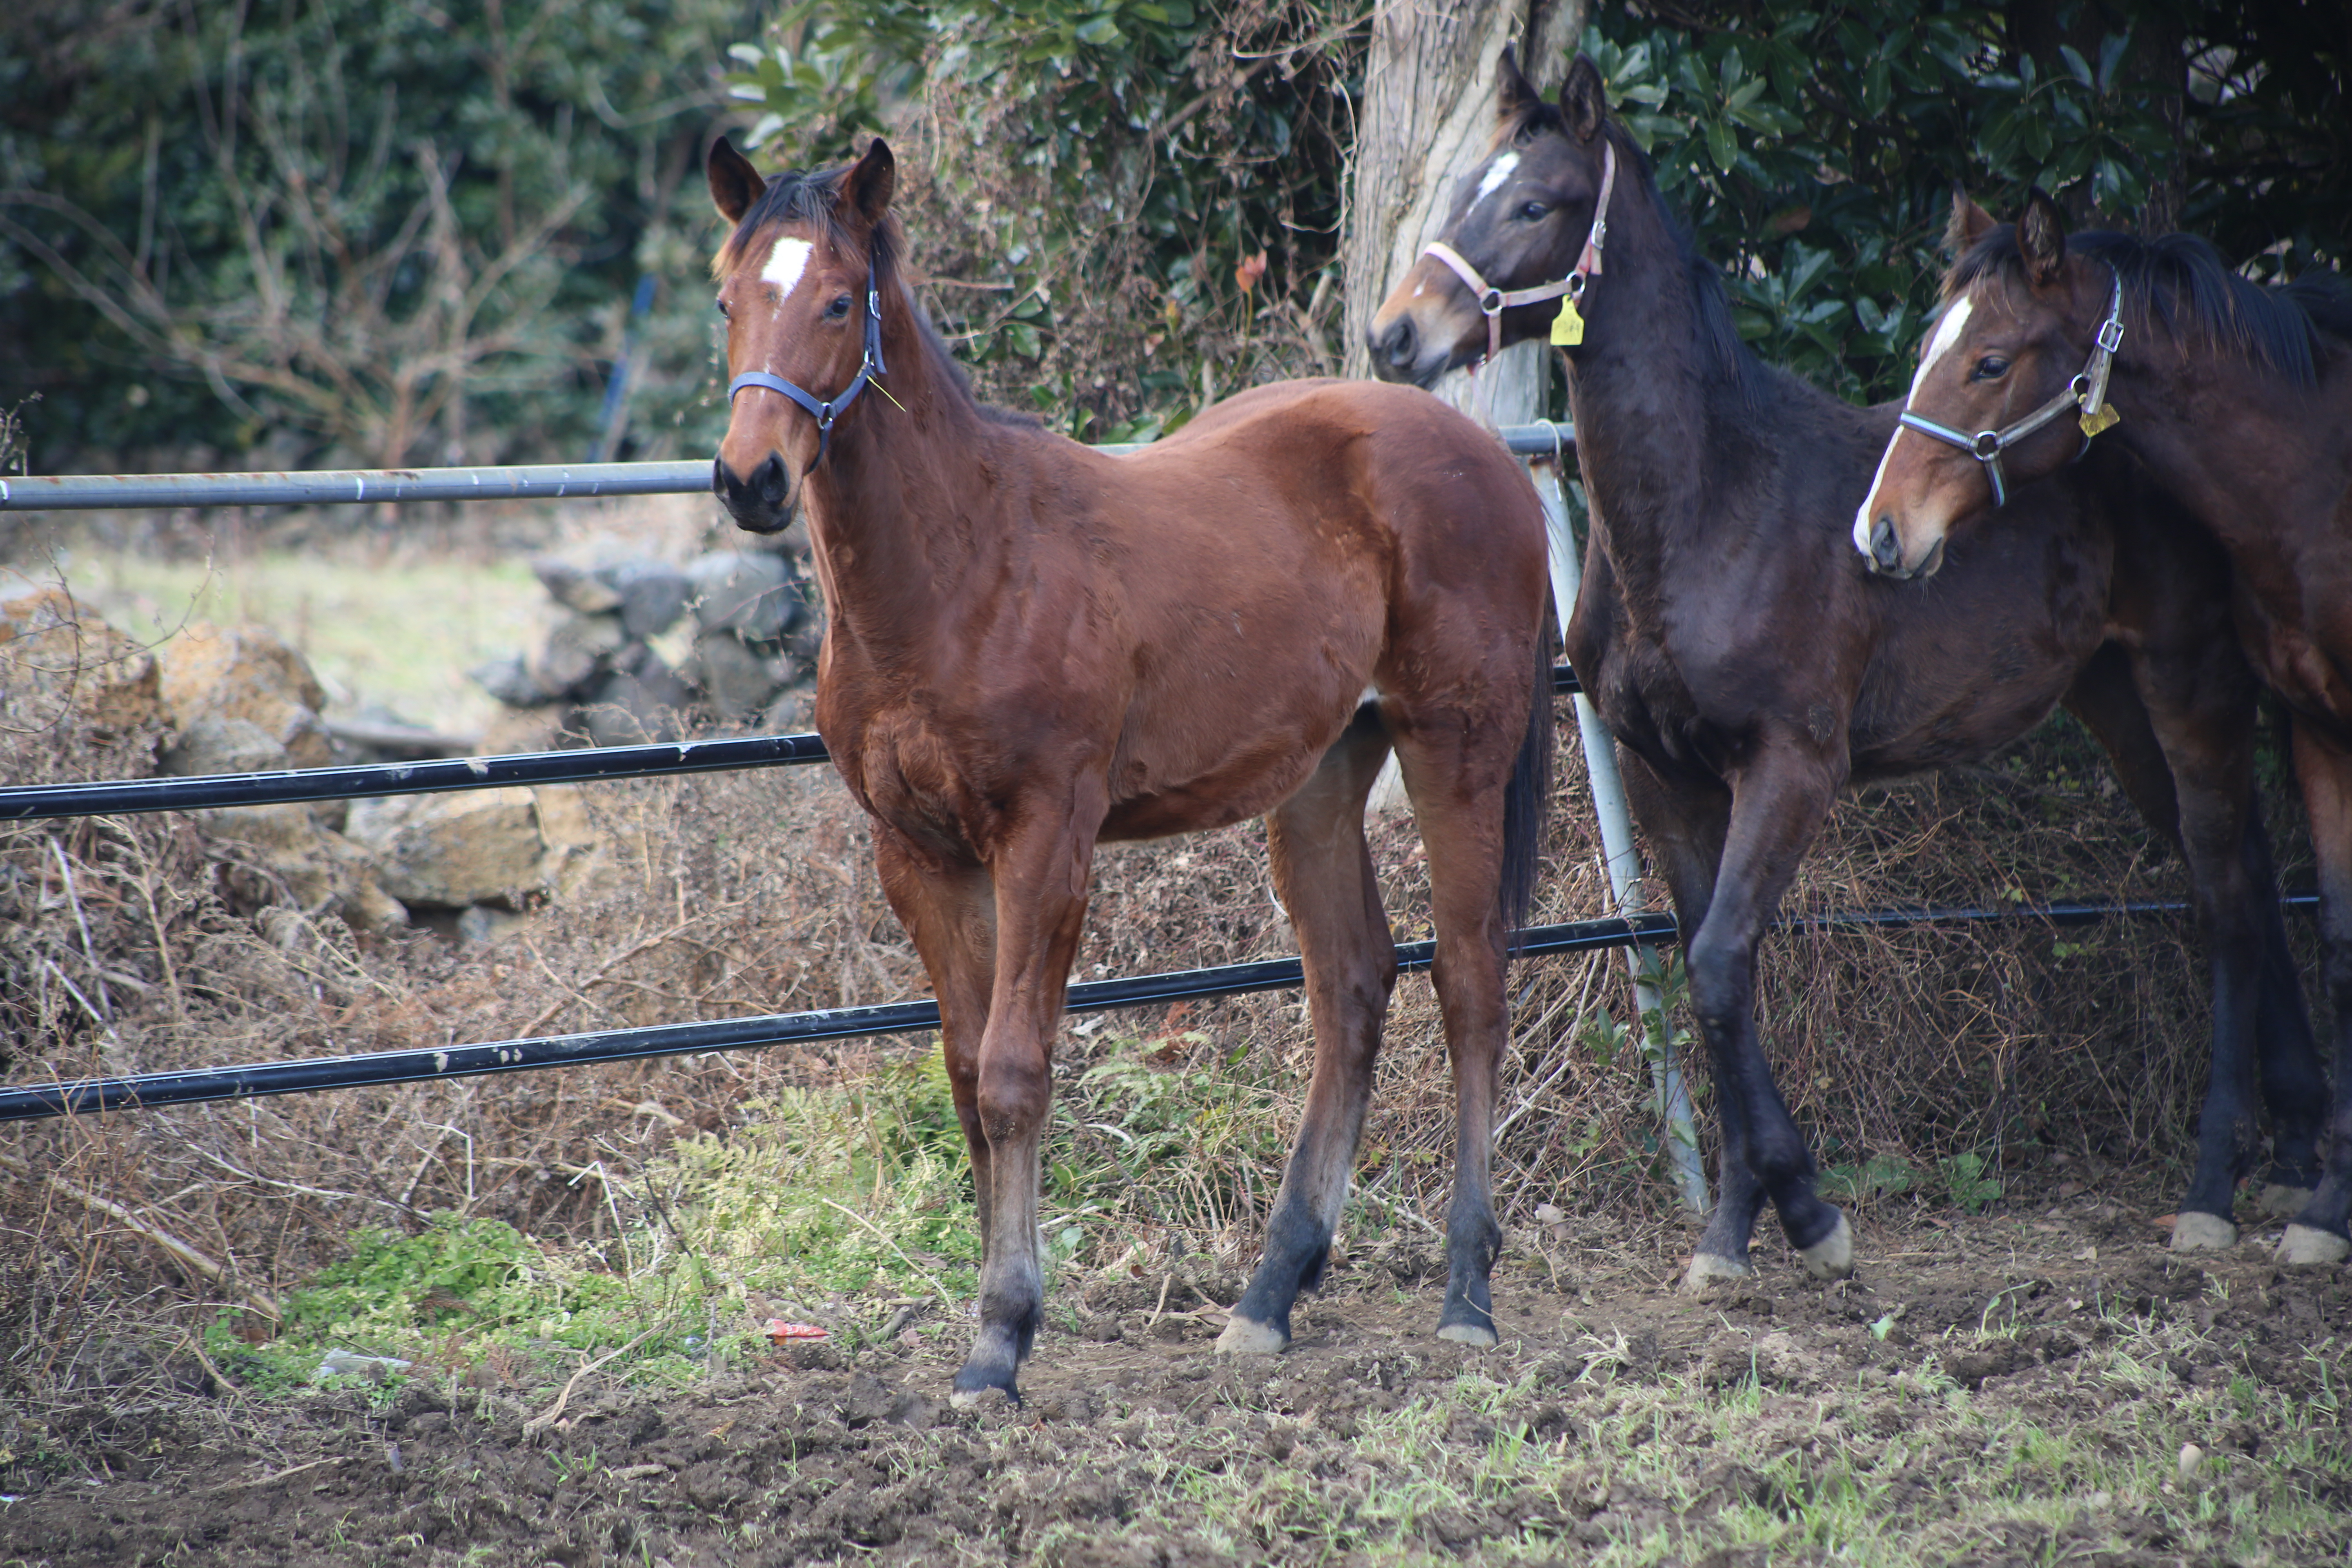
[1032,648]
[1751,666]
[2236,402]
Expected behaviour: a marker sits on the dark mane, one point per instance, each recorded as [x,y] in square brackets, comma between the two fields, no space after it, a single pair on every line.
[2180,282]
[810,197]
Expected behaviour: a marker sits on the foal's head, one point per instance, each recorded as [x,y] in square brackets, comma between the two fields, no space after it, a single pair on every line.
[1519,219]
[2016,329]
[800,282]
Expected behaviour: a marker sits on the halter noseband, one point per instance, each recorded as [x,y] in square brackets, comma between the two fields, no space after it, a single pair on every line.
[2087,392]
[827,411]
[1493,302]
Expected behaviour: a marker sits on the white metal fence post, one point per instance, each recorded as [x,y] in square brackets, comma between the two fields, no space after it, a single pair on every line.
[1678,1126]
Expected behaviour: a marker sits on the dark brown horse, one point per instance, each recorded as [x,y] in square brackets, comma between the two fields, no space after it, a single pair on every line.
[2237,401]
[1751,667]
[1032,648]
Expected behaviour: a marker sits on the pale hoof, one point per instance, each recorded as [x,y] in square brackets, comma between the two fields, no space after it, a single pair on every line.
[2283,1203]
[1706,1271]
[2195,1232]
[967,1400]
[1469,1334]
[2308,1245]
[1831,1258]
[1245,1336]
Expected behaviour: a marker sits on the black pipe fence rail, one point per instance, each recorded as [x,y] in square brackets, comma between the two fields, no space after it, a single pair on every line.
[148,1092]
[366,781]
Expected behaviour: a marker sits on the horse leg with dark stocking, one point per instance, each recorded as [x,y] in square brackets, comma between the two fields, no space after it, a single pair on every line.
[1685,821]
[1041,906]
[1457,802]
[2322,764]
[1779,803]
[1323,873]
[950,911]
[2294,1086]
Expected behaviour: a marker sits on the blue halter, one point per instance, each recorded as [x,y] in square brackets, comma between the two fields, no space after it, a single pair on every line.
[827,411]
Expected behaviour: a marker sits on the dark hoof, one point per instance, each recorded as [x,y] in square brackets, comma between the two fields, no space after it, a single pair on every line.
[976,1382]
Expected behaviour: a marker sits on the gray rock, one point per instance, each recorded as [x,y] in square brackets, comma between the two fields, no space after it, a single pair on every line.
[653,596]
[451,850]
[576,653]
[640,701]
[751,596]
[792,713]
[509,680]
[575,587]
[736,682]
[213,744]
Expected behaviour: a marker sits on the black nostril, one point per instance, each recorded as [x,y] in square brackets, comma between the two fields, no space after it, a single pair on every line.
[769,479]
[1885,551]
[1400,343]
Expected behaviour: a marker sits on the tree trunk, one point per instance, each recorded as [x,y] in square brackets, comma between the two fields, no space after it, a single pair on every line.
[1429,104]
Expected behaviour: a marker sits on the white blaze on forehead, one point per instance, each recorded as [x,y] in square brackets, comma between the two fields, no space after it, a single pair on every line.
[785,264]
[1496,172]
[1948,332]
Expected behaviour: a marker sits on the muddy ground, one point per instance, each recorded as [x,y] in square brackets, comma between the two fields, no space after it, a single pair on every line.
[2010,1387]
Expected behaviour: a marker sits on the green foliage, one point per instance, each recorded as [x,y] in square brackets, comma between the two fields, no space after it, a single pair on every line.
[1101,173]
[1965,1180]
[1815,150]
[375,233]
[1881,1175]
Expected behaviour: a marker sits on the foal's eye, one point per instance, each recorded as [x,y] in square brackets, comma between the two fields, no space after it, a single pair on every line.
[1992,367]
[723,310]
[837,309]
[1530,211]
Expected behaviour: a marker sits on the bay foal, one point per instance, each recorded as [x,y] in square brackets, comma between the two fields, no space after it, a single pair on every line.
[1032,647]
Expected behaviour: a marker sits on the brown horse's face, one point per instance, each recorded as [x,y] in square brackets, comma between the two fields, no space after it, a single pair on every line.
[793,292]
[1519,219]
[2001,349]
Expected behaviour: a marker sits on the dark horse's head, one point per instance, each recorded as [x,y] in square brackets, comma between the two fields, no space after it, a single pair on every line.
[1519,219]
[799,283]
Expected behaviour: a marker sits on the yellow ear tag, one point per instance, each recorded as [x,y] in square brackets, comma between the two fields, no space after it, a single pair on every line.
[1567,327]
[2097,420]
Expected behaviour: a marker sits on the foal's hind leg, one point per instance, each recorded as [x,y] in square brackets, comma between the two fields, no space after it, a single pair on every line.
[2323,764]
[1458,802]
[1323,870]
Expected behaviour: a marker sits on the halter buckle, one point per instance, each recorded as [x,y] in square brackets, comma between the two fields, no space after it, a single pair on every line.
[2111,334]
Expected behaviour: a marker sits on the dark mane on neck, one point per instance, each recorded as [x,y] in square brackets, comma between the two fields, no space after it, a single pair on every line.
[2181,282]
[812,198]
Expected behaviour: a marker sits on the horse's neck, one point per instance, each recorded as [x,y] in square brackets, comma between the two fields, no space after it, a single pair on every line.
[1640,396]
[891,508]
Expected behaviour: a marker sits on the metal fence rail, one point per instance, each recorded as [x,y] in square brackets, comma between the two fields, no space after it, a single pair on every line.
[366,781]
[84,1097]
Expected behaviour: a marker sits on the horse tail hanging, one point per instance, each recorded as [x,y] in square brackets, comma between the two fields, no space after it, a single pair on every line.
[1525,799]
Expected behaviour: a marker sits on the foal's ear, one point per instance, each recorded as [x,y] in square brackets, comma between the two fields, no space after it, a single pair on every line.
[867,186]
[1584,99]
[1513,90]
[1970,223]
[2041,238]
[734,183]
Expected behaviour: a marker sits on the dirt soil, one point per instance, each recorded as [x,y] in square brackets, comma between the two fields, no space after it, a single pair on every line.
[829,1454]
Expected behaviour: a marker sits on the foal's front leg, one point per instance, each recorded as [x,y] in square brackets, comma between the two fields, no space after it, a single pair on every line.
[1041,906]
[1777,806]
[2323,764]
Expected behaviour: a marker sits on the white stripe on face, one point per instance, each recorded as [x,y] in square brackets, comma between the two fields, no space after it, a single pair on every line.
[785,264]
[1496,172]
[1948,332]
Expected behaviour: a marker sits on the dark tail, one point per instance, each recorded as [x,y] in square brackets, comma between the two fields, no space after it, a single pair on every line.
[1525,799]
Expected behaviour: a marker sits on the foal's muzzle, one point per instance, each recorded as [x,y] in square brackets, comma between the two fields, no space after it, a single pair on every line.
[760,502]
[1886,553]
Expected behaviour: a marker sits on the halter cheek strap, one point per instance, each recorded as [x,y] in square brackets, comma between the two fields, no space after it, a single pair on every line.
[826,412]
[1493,302]
[2087,392]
